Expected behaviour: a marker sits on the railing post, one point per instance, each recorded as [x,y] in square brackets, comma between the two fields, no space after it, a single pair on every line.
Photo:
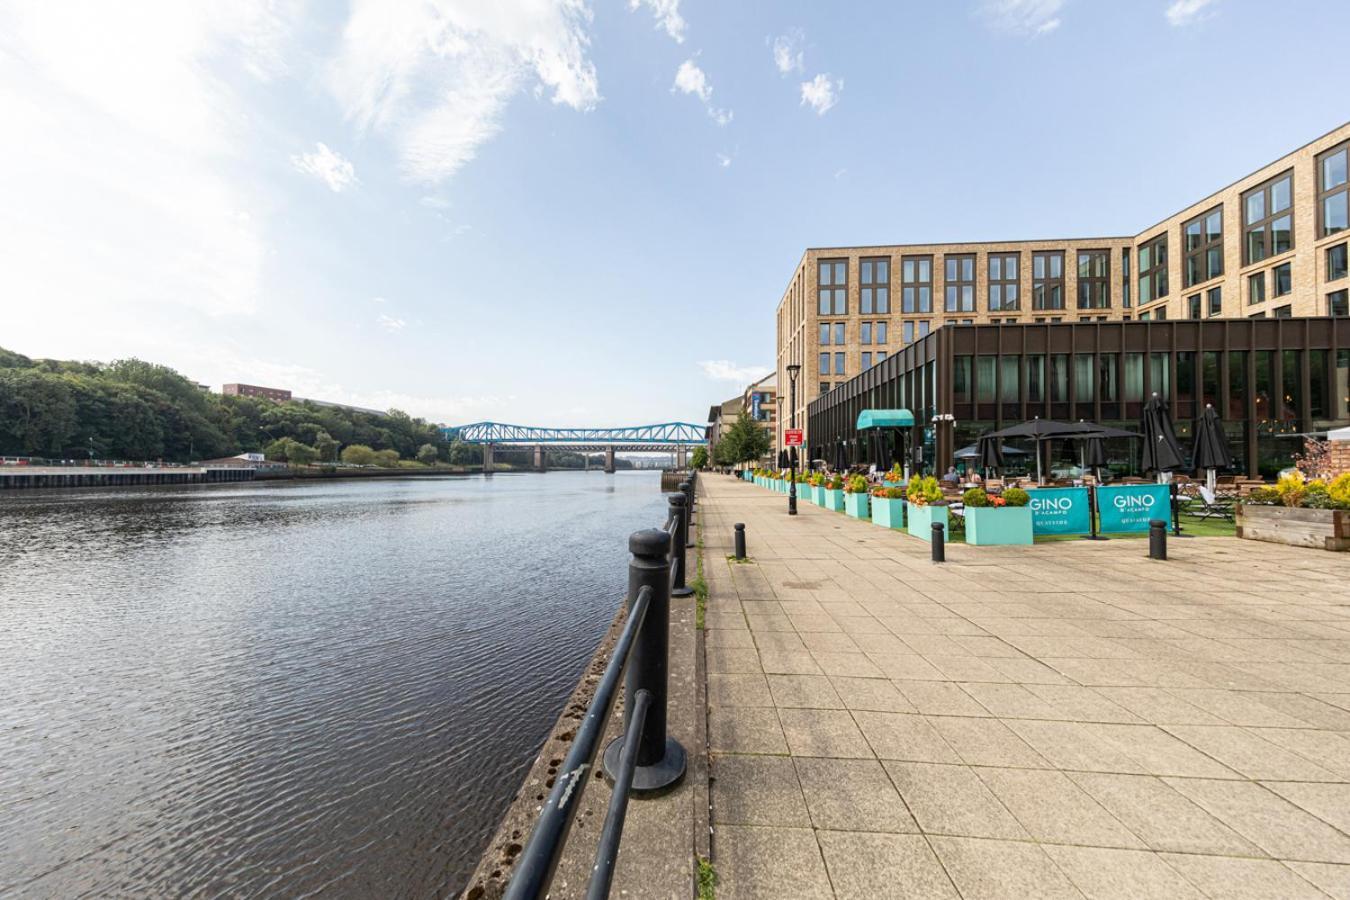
[660,760]
[678,544]
[687,488]
[1157,539]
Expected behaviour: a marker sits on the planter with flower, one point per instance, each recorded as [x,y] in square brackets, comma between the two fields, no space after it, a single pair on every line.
[1298,512]
[815,491]
[855,497]
[894,478]
[926,506]
[888,507]
[997,519]
[834,493]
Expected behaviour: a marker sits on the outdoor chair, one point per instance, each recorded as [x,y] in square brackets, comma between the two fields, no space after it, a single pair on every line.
[1210,505]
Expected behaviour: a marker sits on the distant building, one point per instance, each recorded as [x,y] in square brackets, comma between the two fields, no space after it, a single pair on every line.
[276,395]
[761,400]
[332,405]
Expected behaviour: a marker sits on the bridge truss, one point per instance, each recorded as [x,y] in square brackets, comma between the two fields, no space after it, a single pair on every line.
[665,436]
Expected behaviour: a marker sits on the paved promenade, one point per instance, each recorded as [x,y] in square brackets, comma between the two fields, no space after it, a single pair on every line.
[1064,720]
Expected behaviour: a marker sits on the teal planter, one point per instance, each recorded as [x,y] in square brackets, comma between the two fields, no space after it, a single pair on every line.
[886,483]
[988,525]
[818,495]
[834,500]
[856,505]
[921,519]
[888,513]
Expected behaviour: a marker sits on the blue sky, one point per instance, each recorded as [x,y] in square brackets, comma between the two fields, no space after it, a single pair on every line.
[583,213]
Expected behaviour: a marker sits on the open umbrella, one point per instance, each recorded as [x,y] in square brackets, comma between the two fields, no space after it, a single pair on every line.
[1041,430]
[973,452]
[1210,451]
[1162,453]
[991,454]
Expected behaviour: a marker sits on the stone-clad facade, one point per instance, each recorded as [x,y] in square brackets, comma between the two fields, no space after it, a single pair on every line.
[835,341]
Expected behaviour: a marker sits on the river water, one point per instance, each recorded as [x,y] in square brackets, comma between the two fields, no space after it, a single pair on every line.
[290,689]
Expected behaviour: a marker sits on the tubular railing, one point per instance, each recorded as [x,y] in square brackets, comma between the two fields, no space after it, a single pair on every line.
[642,760]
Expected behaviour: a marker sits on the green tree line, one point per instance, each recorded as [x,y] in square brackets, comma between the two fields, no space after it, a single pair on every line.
[131,409]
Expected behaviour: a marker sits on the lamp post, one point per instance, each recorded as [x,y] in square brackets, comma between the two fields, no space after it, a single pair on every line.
[792,371]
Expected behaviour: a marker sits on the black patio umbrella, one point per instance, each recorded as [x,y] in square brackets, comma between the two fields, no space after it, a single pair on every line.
[1161,453]
[990,453]
[880,452]
[839,456]
[1041,430]
[973,452]
[1210,450]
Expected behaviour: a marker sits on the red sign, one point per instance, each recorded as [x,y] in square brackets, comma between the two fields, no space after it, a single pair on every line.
[792,437]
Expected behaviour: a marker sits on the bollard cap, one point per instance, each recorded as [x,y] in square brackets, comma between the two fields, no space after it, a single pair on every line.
[649,542]
[676,499]
[1157,523]
[740,526]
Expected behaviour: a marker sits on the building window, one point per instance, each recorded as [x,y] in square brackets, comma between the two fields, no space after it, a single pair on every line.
[879,355]
[865,333]
[1283,277]
[1268,221]
[1047,280]
[839,330]
[908,333]
[832,280]
[867,359]
[1203,240]
[1338,303]
[1004,272]
[824,388]
[1153,270]
[1256,288]
[960,283]
[1283,312]
[1125,277]
[879,333]
[923,328]
[1094,285]
[1333,194]
[825,334]
[1214,300]
[1193,306]
[839,364]
[874,286]
[916,284]
[824,364]
[1336,262]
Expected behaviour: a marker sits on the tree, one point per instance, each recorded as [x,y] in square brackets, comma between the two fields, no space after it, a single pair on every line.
[298,454]
[745,441]
[325,447]
[387,459]
[427,455]
[278,450]
[358,455]
[699,458]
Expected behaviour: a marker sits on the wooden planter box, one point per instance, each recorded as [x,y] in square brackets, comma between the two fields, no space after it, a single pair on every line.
[1323,529]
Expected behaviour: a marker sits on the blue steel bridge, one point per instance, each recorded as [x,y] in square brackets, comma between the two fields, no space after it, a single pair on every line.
[677,437]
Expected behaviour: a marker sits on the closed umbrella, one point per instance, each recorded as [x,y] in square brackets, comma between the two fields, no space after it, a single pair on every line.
[1162,452]
[1094,455]
[838,455]
[990,453]
[880,454]
[782,459]
[1210,451]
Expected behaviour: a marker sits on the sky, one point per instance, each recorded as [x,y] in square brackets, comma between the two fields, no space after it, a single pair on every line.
[583,212]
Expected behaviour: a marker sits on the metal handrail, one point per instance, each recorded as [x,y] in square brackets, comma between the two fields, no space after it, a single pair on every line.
[607,854]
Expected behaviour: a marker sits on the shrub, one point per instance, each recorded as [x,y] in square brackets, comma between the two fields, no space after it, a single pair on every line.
[1263,496]
[1317,497]
[837,483]
[1292,488]
[1016,497]
[924,491]
[894,493]
[975,497]
[1339,491]
[856,485]
[896,473]
[358,455]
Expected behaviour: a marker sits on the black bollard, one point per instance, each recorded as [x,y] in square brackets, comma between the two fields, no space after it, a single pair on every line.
[678,544]
[687,488]
[660,759]
[740,540]
[1157,539]
[939,542]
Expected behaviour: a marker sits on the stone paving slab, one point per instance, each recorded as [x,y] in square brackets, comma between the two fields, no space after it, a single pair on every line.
[1063,720]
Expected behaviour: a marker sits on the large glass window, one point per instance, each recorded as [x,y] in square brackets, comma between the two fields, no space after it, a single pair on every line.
[1094,284]
[1159,374]
[1125,277]
[984,379]
[1035,378]
[1203,243]
[1283,278]
[832,285]
[959,283]
[1153,270]
[1106,377]
[874,286]
[916,284]
[1047,280]
[1333,193]
[1237,385]
[1268,220]
[1083,370]
[1336,258]
[1338,303]
[1134,377]
[1004,282]
[1007,378]
[1059,378]
[961,379]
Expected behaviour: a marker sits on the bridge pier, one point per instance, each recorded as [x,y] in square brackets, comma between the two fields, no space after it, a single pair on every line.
[487,459]
[609,460]
[681,458]
[540,458]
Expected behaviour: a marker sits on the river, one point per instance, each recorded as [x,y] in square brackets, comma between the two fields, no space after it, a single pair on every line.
[287,689]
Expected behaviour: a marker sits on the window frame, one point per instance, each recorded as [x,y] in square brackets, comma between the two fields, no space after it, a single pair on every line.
[1047,281]
[1102,282]
[1156,272]
[1324,193]
[961,284]
[1275,280]
[1200,253]
[1256,278]
[832,287]
[920,304]
[1003,282]
[868,304]
[1211,294]
[1266,222]
[1344,248]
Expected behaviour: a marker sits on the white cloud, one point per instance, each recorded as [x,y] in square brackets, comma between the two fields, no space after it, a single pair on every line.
[726,370]
[1187,12]
[389,323]
[787,51]
[328,166]
[821,93]
[690,79]
[724,160]
[436,76]
[840,173]
[1028,17]
[125,185]
[378,300]
[667,13]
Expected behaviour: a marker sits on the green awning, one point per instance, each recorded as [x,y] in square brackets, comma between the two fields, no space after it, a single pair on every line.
[885,418]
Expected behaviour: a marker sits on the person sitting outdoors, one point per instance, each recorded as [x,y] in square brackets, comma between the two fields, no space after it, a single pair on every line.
[951,477]
[975,478]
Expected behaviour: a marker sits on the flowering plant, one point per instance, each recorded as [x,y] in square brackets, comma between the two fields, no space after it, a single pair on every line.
[924,491]
[856,485]
[888,493]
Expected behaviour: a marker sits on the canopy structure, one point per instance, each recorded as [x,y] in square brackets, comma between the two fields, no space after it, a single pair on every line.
[885,418]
